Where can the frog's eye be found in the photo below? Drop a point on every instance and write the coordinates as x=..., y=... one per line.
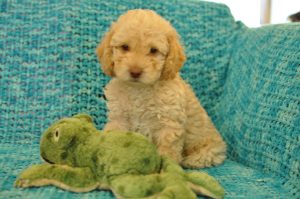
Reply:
x=56, y=135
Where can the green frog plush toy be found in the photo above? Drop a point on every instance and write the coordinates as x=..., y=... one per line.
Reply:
x=80, y=158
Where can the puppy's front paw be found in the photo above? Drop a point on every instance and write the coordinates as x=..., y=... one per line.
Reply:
x=204, y=158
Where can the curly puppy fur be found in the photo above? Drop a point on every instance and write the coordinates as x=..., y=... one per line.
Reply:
x=142, y=54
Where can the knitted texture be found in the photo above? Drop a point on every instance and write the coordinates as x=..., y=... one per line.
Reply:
x=247, y=79
x=259, y=113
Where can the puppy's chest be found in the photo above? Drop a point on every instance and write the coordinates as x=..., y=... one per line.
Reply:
x=150, y=109
x=144, y=110
x=147, y=109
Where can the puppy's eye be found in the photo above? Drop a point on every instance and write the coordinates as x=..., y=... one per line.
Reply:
x=153, y=50
x=125, y=47
x=56, y=135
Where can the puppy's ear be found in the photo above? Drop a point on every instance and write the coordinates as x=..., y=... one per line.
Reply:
x=104, y=52
x=175, y=58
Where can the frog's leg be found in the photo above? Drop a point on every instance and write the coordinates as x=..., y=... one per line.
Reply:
x=65, y=177
x=163, y=186
x=205, y=184
x=200, y=182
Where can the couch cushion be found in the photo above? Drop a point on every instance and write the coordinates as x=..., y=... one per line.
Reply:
x=241, y=181
x=259, y=114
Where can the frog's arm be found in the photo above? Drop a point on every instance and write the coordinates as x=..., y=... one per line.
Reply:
x=65, y=177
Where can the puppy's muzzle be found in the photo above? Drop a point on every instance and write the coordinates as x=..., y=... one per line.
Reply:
x=135, y=72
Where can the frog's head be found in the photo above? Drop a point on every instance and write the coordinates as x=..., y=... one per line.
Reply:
x=61, y=139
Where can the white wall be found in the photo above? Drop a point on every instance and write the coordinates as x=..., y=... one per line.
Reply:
x=248, y=11
x=281, y=9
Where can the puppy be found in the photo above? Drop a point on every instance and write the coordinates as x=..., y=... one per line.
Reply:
x=142, y=54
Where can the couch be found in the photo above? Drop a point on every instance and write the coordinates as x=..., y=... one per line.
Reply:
x=248, y=79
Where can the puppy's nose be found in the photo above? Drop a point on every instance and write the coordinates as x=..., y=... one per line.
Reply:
x=135, y=73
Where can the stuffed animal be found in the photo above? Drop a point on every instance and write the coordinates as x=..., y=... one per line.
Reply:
x=80, y=158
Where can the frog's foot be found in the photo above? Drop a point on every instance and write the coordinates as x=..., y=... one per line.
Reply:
x=204, y=184
x=68, y=178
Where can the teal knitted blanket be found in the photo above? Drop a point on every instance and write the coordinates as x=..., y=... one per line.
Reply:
x=247, y=79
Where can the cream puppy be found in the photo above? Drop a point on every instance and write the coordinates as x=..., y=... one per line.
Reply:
x=142, y=54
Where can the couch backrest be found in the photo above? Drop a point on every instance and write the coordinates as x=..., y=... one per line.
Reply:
x=49, y=69
x=259, y=114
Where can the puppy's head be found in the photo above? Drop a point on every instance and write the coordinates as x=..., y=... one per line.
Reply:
x=141, y=47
